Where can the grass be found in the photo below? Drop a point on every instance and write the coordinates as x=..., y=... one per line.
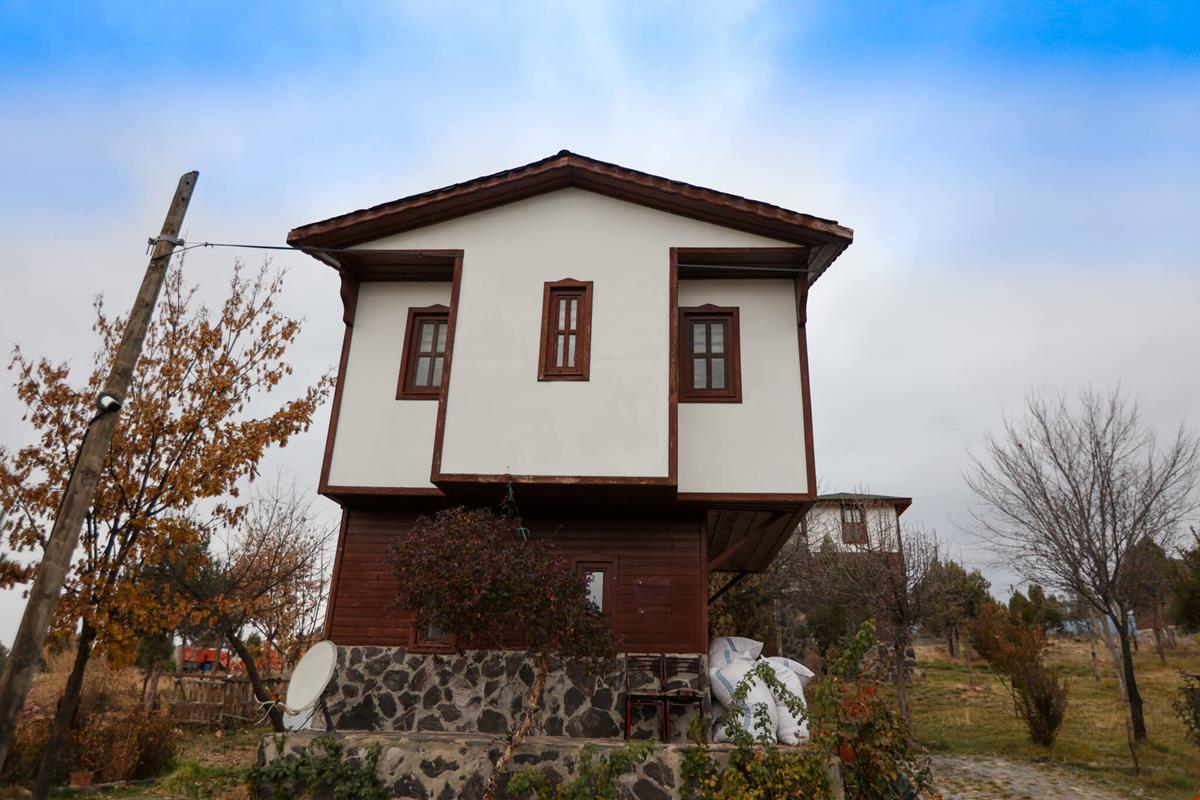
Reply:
x=209, y=766
x=959, y=708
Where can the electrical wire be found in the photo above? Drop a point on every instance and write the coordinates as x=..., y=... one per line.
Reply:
x=299, y=249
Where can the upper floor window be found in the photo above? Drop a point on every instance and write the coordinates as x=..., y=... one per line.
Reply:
x=566, y=331
x=709, y=359
x=424, y=360
x=854, y=524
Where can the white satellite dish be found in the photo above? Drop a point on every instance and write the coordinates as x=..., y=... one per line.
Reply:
x=309, y=679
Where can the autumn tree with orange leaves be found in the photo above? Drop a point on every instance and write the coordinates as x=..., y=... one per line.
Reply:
x=187, y=439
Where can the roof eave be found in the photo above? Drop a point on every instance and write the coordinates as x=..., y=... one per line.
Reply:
x=565, y=169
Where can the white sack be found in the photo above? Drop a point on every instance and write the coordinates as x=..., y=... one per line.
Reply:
x=727, y=649
x=716, y=722
x=789, y=729
x=724, y=681
x=802, y=671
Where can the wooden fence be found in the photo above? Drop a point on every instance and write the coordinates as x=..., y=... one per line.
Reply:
x=215, y=700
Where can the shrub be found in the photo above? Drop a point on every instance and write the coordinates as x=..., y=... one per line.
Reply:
x=127, y=745
x=118, y=746
x=1015, y=650
x=1187, y=706
x=594, y=778
x=848, y=715
x=319, y=770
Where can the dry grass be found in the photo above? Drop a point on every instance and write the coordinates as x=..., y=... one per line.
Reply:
x=959, y=707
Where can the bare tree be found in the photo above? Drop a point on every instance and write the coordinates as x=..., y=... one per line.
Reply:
x=1069, y=492
x=882, y=575
x=267, y=575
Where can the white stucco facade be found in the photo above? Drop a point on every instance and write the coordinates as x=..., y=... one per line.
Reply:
x=756, y=445
x=824, y=521
x=381, y=441
x=500, y=419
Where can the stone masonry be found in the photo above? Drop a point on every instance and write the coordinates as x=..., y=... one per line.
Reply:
x=482, y=692
x=442, y=766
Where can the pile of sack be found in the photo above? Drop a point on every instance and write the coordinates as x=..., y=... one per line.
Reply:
x=730, y=660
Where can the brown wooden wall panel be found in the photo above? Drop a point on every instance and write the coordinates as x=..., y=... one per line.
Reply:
x=658, y=583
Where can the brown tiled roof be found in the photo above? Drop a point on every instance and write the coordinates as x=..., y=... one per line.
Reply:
x=564, y=169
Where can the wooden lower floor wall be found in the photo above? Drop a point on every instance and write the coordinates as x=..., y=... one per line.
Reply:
x=657, y=576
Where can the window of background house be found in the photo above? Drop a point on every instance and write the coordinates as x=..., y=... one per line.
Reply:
x=566, y=331
x=598, y=576
x=854, y=524
x=424, y=360
x=709, y=358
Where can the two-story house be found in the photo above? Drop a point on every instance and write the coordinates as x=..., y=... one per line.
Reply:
x=628, y=352
x=855, y=522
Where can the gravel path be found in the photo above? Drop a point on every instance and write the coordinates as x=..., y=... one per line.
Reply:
x=980, y=777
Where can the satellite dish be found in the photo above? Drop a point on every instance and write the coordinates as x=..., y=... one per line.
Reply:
x=309, y=679
x=311, y=676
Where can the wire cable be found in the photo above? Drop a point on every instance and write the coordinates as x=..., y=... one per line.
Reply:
x=309, y=250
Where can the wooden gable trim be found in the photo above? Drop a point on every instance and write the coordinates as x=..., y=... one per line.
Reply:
x=439, y=434
x=810, y=458
x=560, y=171
x=350, y=306
x=673, y=370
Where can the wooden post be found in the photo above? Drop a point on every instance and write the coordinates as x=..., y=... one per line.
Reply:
x=81, y=486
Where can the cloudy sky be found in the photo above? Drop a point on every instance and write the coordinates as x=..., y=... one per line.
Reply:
x=1022, y=179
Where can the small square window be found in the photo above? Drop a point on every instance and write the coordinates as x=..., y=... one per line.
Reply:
x=566, y=331
x=431, y=639
x=598, y=576
x=709, y=358
x=426, y=352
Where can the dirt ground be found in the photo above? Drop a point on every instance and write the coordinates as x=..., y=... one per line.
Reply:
x=980, y=777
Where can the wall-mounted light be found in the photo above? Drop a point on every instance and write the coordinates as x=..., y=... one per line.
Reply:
x=108, y=403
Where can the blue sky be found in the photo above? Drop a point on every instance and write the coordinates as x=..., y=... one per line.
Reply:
x=1022, y=177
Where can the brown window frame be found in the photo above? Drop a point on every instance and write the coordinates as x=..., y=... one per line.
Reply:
x=609, y=568
x=419, y=643
x=732, y=393
x=405, y=390
x=854, y=532
x=547, y=368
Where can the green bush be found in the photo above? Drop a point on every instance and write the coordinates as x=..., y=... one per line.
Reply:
x=319, y=769
x=848, y=715
x=1187, y=706
x=594, y=778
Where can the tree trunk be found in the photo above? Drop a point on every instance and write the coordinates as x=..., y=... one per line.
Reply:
x=1114, y=652
x=533, y=704
x=1136, y=715
x=952, y=640
x=1158, y=644
x=150, y=692
x=902, y=682
x=64, y=717
x=260, y=691
x=1095, y=660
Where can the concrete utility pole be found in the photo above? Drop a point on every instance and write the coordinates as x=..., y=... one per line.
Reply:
x=81, y=487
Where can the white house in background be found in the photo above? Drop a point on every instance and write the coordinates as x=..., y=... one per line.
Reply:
x=855, y=521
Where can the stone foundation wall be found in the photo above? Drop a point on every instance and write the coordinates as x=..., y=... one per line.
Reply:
x=443, y=766
x=482, y=691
